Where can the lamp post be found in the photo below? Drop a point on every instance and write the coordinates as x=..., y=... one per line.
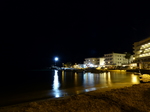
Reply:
x=56, y=59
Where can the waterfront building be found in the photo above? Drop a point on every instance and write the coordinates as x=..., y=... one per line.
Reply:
x=116, y=59
x=91, y=62
x=94, y=62
x=142, y=53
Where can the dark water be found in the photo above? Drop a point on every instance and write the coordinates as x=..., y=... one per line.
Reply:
x=32, y=85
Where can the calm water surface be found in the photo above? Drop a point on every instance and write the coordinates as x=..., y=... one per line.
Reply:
x=34, y=85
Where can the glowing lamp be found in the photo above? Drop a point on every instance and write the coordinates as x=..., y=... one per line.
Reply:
x=56, y=58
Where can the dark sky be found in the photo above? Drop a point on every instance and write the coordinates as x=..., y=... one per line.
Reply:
x=33, y=32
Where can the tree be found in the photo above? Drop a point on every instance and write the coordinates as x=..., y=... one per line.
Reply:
x=68, y=64
x=127, y=56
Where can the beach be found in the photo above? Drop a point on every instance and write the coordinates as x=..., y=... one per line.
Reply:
x=135, y=98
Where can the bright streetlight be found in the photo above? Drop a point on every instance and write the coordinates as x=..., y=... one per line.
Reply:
x=56, y=59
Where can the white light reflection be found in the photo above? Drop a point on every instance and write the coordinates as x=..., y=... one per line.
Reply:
x=57, y=95
x=88, y=79
x=56, y=84
x=90, y=89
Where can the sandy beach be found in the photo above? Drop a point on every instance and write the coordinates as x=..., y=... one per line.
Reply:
x=135, y=98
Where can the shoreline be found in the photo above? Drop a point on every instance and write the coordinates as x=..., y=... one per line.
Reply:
x=101, y=89
x=95, y=70
x=129, y=98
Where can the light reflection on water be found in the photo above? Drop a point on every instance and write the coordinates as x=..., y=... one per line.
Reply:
x=67, y=83
x=56, y=81
x=109, y=79
x=88, y=79
x=56, y=85
x=134, y=78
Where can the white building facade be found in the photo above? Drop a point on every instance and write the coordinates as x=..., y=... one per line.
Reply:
x=116, y=59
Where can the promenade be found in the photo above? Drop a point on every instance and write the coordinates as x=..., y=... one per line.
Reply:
x=135, y=98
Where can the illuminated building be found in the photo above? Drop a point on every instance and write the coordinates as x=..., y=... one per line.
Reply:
x=142, y=53
x=116, y=59
x=94, y=62
x=79, y=66
x=91, y=62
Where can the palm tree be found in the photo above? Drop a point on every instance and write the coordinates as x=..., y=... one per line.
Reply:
x=127, y=56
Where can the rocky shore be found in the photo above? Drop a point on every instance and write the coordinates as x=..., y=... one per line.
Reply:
x=135, y=98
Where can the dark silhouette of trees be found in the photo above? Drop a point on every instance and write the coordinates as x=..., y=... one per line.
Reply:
x=128, y=56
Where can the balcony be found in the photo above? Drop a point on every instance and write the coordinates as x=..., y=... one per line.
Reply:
x=108, y=59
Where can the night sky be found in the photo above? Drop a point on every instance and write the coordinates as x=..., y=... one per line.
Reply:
x=34, y=32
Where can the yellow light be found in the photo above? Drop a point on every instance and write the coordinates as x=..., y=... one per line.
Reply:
x=98, y=68
x=134, y=78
